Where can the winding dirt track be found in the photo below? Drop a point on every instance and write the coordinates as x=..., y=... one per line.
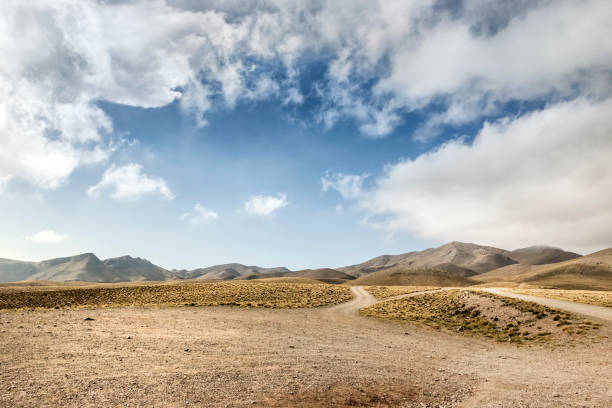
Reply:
x=327, y=357
x=597, y=312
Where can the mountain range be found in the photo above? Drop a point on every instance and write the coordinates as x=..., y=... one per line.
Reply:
x=452, y=264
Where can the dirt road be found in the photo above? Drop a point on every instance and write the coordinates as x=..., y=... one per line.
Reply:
x=327, y=357
x=361, y=298
x=597, y=312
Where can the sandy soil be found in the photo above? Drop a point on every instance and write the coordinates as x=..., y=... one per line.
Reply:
x=234, y=357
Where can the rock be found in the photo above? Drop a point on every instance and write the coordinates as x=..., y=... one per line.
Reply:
x=89, y=319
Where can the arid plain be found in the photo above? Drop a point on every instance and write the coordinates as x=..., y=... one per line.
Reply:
x=238, y=356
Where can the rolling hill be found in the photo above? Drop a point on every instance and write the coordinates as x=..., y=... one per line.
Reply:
x=456, y=264
x=84, y=268
x=453, y=264
x=13, y=271
x=453, y=257
x=592, y=271
x=399, y=275
x=456, y=256
x=229, y=271
x=541, y=254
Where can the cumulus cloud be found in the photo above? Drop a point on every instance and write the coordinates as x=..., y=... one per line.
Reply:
x=265, y=206
x=545, y=177
x=128, y=183
x=199, y=215
x=545, y=51
x=383, y=59
x=47, y=237
x=349, y=186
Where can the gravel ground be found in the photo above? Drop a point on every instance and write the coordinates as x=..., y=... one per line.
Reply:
x=234, y=357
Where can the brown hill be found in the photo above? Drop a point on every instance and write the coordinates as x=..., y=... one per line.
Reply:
x=593, y=271
x=326, y=275
x=454, y=257
x=413, y=277
x=540, y=255
x=85, y=267
x=229, y=271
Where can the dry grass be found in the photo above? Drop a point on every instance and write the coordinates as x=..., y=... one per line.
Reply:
x=271, y=294
x=382, y=292
x=592, y=297
x=497, y=317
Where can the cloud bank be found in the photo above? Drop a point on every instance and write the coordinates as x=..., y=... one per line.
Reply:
x=545, y=177
x=382, y=59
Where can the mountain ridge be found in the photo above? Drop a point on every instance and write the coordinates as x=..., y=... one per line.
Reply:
x=455, y=260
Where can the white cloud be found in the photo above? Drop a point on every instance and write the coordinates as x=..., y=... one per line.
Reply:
x=350, y=186
x=60, y=58
x=554, y=50
x=545, y=178
x=129, y=183
x=47, y=237
x=199, y=215
x=265, y=205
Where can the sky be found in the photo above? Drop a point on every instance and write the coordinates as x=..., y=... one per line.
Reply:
x=302, y=133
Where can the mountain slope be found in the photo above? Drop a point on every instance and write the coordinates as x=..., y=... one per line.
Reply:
x=85, y=267
x=592, y=271
x=463, y=259
x=399, y=275
x=540, y=255
x=454, y=257
x=136, y=269
x=228, y=272
x=13, y=271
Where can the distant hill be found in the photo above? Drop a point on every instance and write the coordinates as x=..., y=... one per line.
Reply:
x=227, y=272
x=237, y=271
x=326, y=275
x=84, y=268
x=541, y=254
x=452, y=264
x=136, y=269
x=461, y=258
x=399, y=275
x=13, y=271
x=592, y=271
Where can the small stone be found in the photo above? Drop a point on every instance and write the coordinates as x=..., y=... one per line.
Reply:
x=129, y=337
x=556, y=395
x=89, y=319
x=187, y=349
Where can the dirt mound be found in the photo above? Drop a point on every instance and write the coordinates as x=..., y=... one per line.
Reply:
x=497, y=317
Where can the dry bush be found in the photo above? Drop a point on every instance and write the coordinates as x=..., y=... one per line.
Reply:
x=240, y=293
x=382, y=292
x=592, y=297
x=497, y=317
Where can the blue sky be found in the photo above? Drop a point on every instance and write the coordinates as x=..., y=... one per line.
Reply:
x=302, y=134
